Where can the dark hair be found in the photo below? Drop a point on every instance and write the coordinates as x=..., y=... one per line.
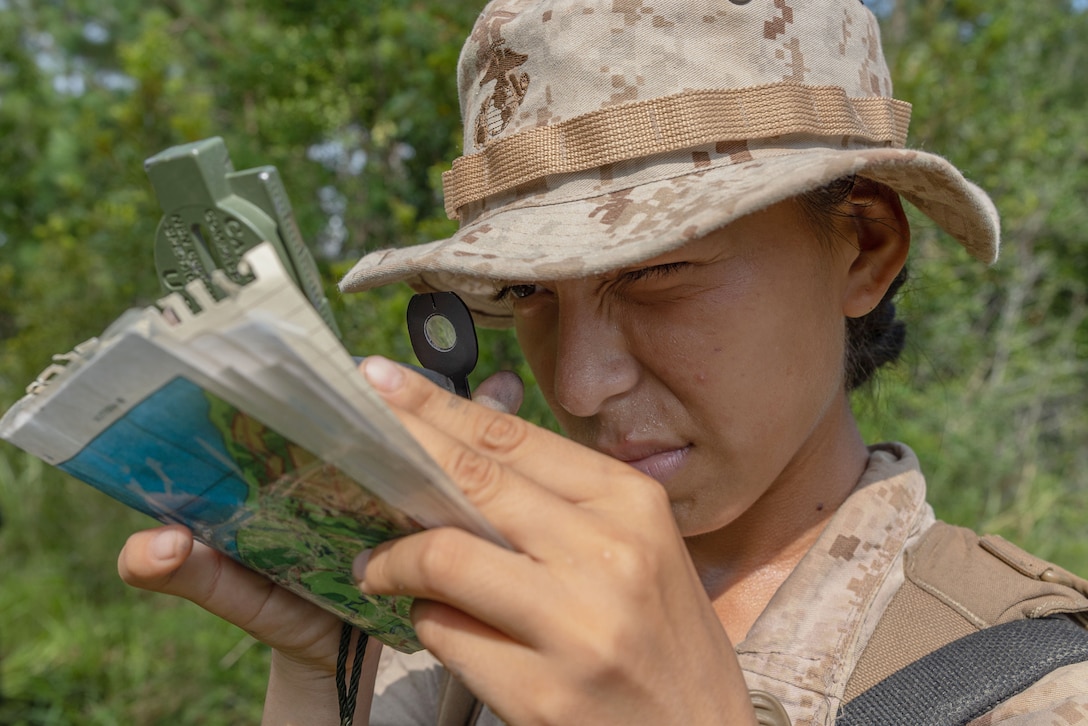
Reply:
x=877, y=338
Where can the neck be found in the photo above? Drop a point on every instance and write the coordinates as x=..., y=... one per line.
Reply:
x=742, y=564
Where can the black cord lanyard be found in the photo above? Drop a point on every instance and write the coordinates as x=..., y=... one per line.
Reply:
x=346, y=694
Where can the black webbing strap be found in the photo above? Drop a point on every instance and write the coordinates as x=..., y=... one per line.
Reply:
x=970, y=676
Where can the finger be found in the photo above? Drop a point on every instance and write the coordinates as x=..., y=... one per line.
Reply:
x=491, y=584
x=533, y=515
x=150, y=559
x=572, y=471
x=467, y=647
x=469, y=650
x=168, y=560
x=502, y=391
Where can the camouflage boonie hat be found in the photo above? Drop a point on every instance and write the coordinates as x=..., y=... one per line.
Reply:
x=601, y=133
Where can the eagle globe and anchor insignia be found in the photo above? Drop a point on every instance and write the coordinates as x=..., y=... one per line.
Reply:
x=500, y=64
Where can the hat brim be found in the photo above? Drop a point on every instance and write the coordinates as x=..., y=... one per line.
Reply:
x=544, y=239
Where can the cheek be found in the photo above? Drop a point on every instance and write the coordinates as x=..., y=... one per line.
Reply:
x=750, y=366
x=537, y=340
x=715, y=349
x=537, y=344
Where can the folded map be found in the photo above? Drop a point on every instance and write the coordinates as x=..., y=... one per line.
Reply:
x=249, y=423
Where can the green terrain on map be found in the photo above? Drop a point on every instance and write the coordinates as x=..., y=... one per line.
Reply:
x=305, y=521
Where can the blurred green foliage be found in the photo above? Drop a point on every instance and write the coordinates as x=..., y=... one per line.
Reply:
x=994, y=393
x=355, y=103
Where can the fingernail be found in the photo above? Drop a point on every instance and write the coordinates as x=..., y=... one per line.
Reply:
x=383, y=374
x=358, y=567
x=166, y=545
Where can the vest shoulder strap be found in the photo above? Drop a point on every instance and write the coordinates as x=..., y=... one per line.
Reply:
x=957, y=583
x=968, y=677
x=457, y=706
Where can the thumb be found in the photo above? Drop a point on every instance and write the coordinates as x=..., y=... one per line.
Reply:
x=502, y=391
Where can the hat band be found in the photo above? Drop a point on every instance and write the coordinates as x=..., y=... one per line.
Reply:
x=670, y=123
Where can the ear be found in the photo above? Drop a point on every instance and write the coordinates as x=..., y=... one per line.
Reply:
x=883, y=240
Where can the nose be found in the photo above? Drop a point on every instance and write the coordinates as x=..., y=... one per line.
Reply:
x=593, y=360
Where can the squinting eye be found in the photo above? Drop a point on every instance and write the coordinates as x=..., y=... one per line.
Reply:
x=517, y=292
x=522, y=291
x=654, y=271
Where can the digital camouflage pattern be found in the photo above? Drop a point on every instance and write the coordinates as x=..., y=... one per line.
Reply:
x=806, y=643
x=537, y=70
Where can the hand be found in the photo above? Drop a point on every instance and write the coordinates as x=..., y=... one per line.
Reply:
x=168, y=560
x=596, y=616
x=304, y=637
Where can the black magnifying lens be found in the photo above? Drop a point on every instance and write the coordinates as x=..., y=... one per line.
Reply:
x=444, y=337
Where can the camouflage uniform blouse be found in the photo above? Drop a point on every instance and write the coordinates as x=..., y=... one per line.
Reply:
x=806, y=643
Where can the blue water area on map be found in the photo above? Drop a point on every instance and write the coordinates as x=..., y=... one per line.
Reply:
x=166, y=458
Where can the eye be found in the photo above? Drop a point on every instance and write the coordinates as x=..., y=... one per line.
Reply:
x=516, y=292
x=652, y=272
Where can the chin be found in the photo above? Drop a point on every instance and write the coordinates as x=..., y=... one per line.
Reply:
x=693, y=520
